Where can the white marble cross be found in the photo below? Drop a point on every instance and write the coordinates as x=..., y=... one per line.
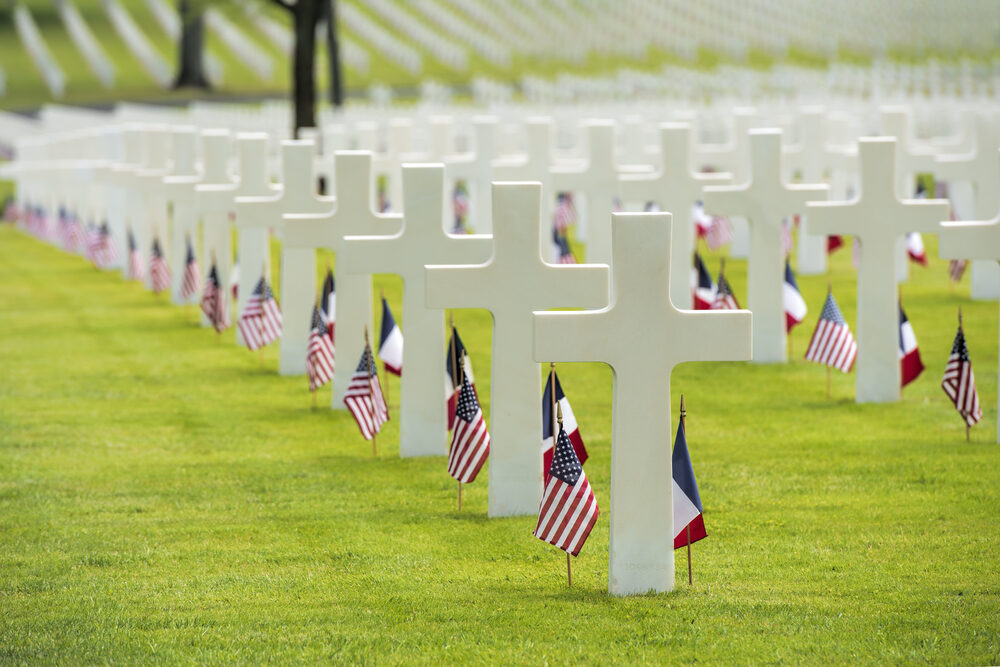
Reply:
x=534, y=166
x=476, y=169
x=512, y=284
x=675, y=187
x=423, y=423
x=255, y=215
x=124, y=177
x=642, y=336
x=807, y=157
x=597, y=180
x=179, y=187
x=765, y=200
x=980, y=168
x=214, y=201
x=149, y=180
x=973, y=240
x=879, y=219
x=351, y=216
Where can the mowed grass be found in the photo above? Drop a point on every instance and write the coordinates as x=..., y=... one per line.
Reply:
x=165, y=497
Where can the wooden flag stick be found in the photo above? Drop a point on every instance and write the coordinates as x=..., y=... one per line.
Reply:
x=684, y=426
x=462, y=361
x=460, y=496
x=371, y=391
x=569, y=572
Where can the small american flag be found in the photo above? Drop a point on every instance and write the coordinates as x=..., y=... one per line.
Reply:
x=135, y=271
x=565, y=213
x=214, y=303
x=956, y=269
x=787, y=242
x=568, y=510
x=192, y=276
x=564, y=254
x=724, y=297
x=470, y=441
x=72, y=233
x=319, y=357
x=90, y=240
x=159, y=272
x=364, y=397
x=260, y=321
x=832, y=343
x=328, y=305
x=460, y=207
x=105, y=251
x=959, y=383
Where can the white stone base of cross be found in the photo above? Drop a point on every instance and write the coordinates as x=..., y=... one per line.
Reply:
x=642, y=336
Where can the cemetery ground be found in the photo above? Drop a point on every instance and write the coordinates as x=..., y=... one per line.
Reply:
x=165, y=497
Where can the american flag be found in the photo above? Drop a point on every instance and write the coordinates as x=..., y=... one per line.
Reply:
x=724, y=297
x=832, y=343
x=72, y=232
x=192, y=276
x=105, y=252
x=959, y=383
x=549, y=412
x=787, y=242
x=568, y=510
x=956, y=269
x=135, y=271
x=214, y=303
x=260, y=321
x=460, y=207
x=319, y=357
x=470, y=441
x=159, y=272
x=364, y=397
x=565, y=213
x=563, y=253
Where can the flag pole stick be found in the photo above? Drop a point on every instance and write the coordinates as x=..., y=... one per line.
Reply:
x=462, y=361
x=371, y=391
x=555, y=441
x=684, y=426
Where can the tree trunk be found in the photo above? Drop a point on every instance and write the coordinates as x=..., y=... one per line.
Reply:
x=333, y=49
x=190, y=69
x=306, y=14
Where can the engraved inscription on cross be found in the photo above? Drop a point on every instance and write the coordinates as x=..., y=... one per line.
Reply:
x=423, y=421
x=642, y=336
x=675, y=187
x=255, y=215
x=352, y=216
x=973, y=240
x=879, y=219
x=513, y=283
x=765, y=200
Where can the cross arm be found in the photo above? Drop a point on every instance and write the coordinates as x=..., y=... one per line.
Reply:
x=303, y=230
x=567, y=176
x=463, y=286
x=639, y=187
x=970, y=240
x=925, y=215
x=373, y=254
x=729, y=200
x=833, y=217
x=580, y=285
x=715, y=335
x=267, y=209
x=558, y=336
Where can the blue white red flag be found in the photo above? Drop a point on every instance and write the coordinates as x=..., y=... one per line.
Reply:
x=795, y=305
x=687, y=502
x=390, y=346
x=548, y=425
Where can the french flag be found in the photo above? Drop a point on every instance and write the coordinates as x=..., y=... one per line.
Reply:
x=702, y=286
x=795, y=305
x=689, y=526
x=569, y=425
x=390, y=347
x=915, y=248
x=910, y=365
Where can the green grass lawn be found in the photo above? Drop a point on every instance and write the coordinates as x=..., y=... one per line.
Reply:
x=164, y=497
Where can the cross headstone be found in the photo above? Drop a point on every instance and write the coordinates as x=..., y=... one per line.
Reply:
x=214, y=201
x=765, y=200
x=534, y=166
x=879, y=219
x=255, y=215
x=972, y=240
x=475, y=167
x=179, y=187
x=351, y=216
x=980, y=168
x=423, y=423
x=597, y=180
x=123, y=175
x=675, y=187
x=807, y=157
x=512, y=284
x=640, y=311
x=150, y=183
